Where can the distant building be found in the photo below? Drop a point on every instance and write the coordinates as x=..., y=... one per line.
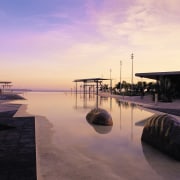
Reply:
x=168, y=83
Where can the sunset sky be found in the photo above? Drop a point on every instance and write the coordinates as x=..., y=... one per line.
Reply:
x=46, y=44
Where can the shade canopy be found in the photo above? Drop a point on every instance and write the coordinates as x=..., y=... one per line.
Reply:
x=157, y=75
x=89, y=80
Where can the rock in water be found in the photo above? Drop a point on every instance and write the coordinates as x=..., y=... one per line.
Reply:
x=99, y=116
x=163, y=133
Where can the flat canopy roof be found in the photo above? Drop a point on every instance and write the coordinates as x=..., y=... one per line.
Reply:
x=5, y=82
x=90, y=80
x=156, y=75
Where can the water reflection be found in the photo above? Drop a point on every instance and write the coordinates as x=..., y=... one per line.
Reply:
x=143, y=122
x=100, y=129
x=98, y=118
x=130, y=106
x=110, y=103
x=84, y=101
x=120, y=116
x=129, y=113
x=68, y=146
x=166, y=167
x=125, y=104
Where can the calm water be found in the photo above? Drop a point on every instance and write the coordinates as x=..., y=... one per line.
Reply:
x=68, y=147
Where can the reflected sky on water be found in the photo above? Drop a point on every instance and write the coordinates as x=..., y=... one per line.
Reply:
x=75, y=148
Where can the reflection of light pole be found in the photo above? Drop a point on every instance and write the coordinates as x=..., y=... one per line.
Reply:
x=120, y=76
x=120, y=115
x=132, y=57
x=80, y=89
x=97, y=94
x=110, y=103
x=132, y=122
x=110, y=82
x=76, y=87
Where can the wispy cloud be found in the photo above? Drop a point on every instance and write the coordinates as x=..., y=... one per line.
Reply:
x=142, y=23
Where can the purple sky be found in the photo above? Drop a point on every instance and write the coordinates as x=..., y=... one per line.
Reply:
x=49, y=43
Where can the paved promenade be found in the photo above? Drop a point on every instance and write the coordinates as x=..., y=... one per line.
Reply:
x=17, y=148
x=17, y=142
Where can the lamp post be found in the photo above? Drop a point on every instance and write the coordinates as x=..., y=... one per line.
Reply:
x=132, y=57
x=120, y=76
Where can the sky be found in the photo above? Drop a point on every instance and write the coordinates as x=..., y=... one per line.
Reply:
x=46, y=44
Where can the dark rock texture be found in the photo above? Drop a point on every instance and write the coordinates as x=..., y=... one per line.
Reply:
x=99, y=116
x=163, y=133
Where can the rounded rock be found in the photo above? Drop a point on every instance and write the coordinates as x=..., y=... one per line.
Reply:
x=99, y=116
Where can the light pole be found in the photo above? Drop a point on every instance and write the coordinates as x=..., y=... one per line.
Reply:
x=120, y=76
x=132, y=57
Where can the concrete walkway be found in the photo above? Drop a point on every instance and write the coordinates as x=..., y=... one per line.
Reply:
x=17, y=148
x=17, y=144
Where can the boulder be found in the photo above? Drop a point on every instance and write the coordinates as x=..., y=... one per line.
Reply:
x=163, y=133
x=99, y=116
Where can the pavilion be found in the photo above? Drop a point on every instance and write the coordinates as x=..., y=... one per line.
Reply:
x=168, y=83
x=86, y=82
x=6, y=85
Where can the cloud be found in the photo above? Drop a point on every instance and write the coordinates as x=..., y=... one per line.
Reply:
x=71, y=42
x=162, y=5
x=144, y=23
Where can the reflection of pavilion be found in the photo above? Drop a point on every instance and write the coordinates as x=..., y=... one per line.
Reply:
x=85, y=98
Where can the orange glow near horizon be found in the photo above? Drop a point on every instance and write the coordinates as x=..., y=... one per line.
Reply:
x=53, y=45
